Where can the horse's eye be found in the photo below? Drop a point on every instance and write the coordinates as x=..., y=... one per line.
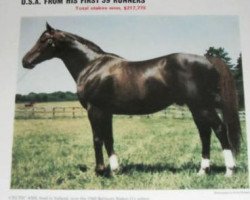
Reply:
x=50, y=42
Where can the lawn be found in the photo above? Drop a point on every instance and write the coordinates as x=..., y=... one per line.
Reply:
x=154, y=153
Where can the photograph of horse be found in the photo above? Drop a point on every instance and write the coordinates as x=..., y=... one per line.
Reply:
x=108, y=84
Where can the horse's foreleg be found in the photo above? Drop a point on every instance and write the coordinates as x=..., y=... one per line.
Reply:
x=205, y=136
x=97, y=121
x=101, y=123
x=109, y=145
x=100, y=167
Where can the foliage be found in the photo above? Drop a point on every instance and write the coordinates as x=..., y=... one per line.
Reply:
x=221, y=53
x=238, y=68
x=239, y=81
x=46, y=97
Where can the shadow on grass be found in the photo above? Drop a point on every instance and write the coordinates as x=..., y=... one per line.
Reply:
x=106, y=173
x=159, y=167
x=156, y=168
x=82, y=167
x=188, y=167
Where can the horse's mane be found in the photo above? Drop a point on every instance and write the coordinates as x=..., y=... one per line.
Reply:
x=90, y=44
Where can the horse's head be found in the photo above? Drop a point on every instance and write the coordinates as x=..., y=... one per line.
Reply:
x=45, y=48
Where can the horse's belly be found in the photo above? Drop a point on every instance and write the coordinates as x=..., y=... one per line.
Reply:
x=138, y=108
x=149, y=103
x=131, y=104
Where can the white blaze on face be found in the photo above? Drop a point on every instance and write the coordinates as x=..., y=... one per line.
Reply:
x=90, y=54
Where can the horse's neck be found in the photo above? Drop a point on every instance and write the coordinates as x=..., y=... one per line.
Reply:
x=77, y=57
x=75, y=64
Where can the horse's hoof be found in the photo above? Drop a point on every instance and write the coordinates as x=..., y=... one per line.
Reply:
x=114, y=169
x=203, y=172
x=229, y=172
x=100, y=170
x=115, y=172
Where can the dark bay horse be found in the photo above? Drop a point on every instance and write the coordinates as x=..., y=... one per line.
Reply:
x=108, y=84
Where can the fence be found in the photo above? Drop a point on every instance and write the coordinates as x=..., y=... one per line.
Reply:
x=174, y=112
x=49, y=112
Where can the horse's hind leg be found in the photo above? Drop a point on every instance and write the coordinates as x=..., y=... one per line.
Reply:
x=101, y=123
x=205, y=136
x=221, y=133
x=205, y=118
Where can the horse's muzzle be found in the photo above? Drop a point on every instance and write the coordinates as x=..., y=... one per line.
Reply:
x=27, y=64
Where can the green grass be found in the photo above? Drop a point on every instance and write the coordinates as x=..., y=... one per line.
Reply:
x=154, y=153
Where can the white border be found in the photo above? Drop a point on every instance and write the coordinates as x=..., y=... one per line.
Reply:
x=10, y=14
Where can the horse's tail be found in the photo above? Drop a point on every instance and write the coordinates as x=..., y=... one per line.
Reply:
x=229, y=100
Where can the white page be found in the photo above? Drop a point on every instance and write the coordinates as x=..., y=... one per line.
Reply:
x=13, y=17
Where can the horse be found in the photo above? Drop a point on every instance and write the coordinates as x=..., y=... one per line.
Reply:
x=29, y=104
x=108, y=84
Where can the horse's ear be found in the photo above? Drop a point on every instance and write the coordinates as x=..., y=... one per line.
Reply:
x=49, y=28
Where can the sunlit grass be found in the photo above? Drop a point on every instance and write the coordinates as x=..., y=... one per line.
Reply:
x=154, y=153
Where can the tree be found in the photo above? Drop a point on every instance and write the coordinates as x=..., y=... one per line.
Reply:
x=239, y=81
x=238, y=68
x=45, y=97
x=220, y=53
